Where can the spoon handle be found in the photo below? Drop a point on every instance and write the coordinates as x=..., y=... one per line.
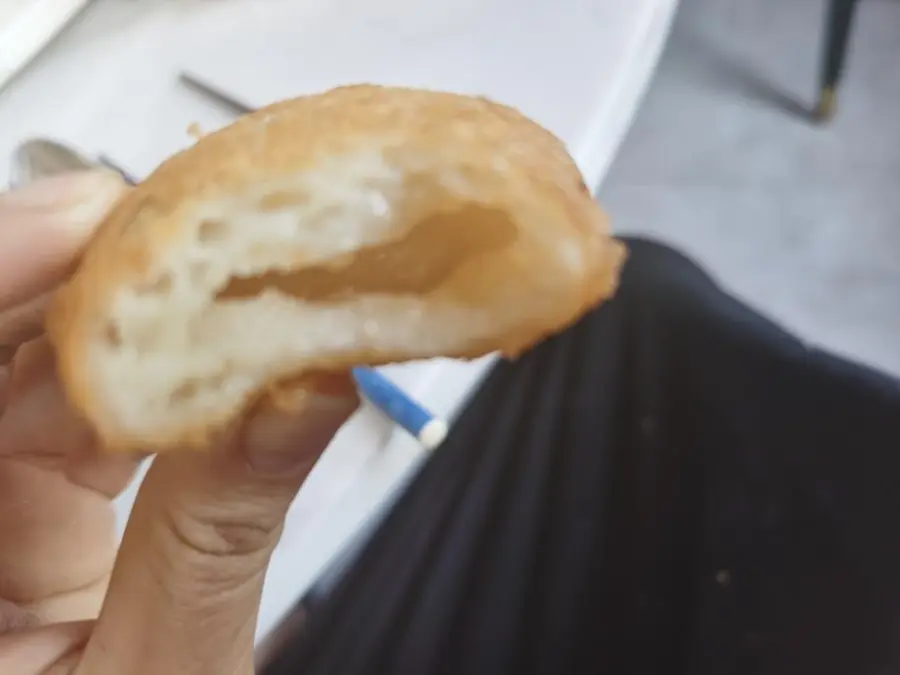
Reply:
x=104, y=160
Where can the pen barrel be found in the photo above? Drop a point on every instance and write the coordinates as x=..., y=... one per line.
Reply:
x=392, y=400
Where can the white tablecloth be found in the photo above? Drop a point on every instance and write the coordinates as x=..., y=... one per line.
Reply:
x=110, y=85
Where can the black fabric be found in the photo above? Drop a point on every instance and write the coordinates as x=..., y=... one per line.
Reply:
x=675, y=485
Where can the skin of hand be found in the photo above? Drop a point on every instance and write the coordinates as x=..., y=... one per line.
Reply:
x=181, y=594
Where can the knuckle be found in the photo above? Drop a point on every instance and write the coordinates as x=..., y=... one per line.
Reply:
x=218, y=533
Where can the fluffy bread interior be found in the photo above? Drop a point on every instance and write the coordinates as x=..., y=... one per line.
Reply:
x=354, y=261
x=359, y=226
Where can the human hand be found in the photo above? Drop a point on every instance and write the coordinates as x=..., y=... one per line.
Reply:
x=183, y=593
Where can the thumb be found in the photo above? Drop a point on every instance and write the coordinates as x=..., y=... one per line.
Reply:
x=44, y=226
x=185, y=591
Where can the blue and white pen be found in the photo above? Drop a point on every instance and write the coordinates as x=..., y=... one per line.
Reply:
x=396, y=404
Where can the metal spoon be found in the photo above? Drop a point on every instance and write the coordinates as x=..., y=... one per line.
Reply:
x=42, y=157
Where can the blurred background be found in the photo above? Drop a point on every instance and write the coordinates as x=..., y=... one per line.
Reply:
x=801, y=219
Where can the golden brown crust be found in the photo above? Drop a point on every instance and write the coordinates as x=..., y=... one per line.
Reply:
x=296, y=135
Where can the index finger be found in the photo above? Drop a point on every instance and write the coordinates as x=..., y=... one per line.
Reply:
x=44, y=227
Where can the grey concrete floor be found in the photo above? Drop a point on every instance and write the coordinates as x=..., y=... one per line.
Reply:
x=801, y=221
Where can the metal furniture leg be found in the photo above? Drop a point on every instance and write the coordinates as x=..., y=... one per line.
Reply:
x=837, y=37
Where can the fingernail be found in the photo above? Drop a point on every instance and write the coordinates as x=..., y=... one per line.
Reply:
x=77, y=200
x=278, y=441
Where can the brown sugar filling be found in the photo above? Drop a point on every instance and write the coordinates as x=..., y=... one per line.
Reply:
x=415, y=265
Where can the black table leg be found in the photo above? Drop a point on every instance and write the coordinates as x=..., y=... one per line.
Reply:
x=837, y=37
